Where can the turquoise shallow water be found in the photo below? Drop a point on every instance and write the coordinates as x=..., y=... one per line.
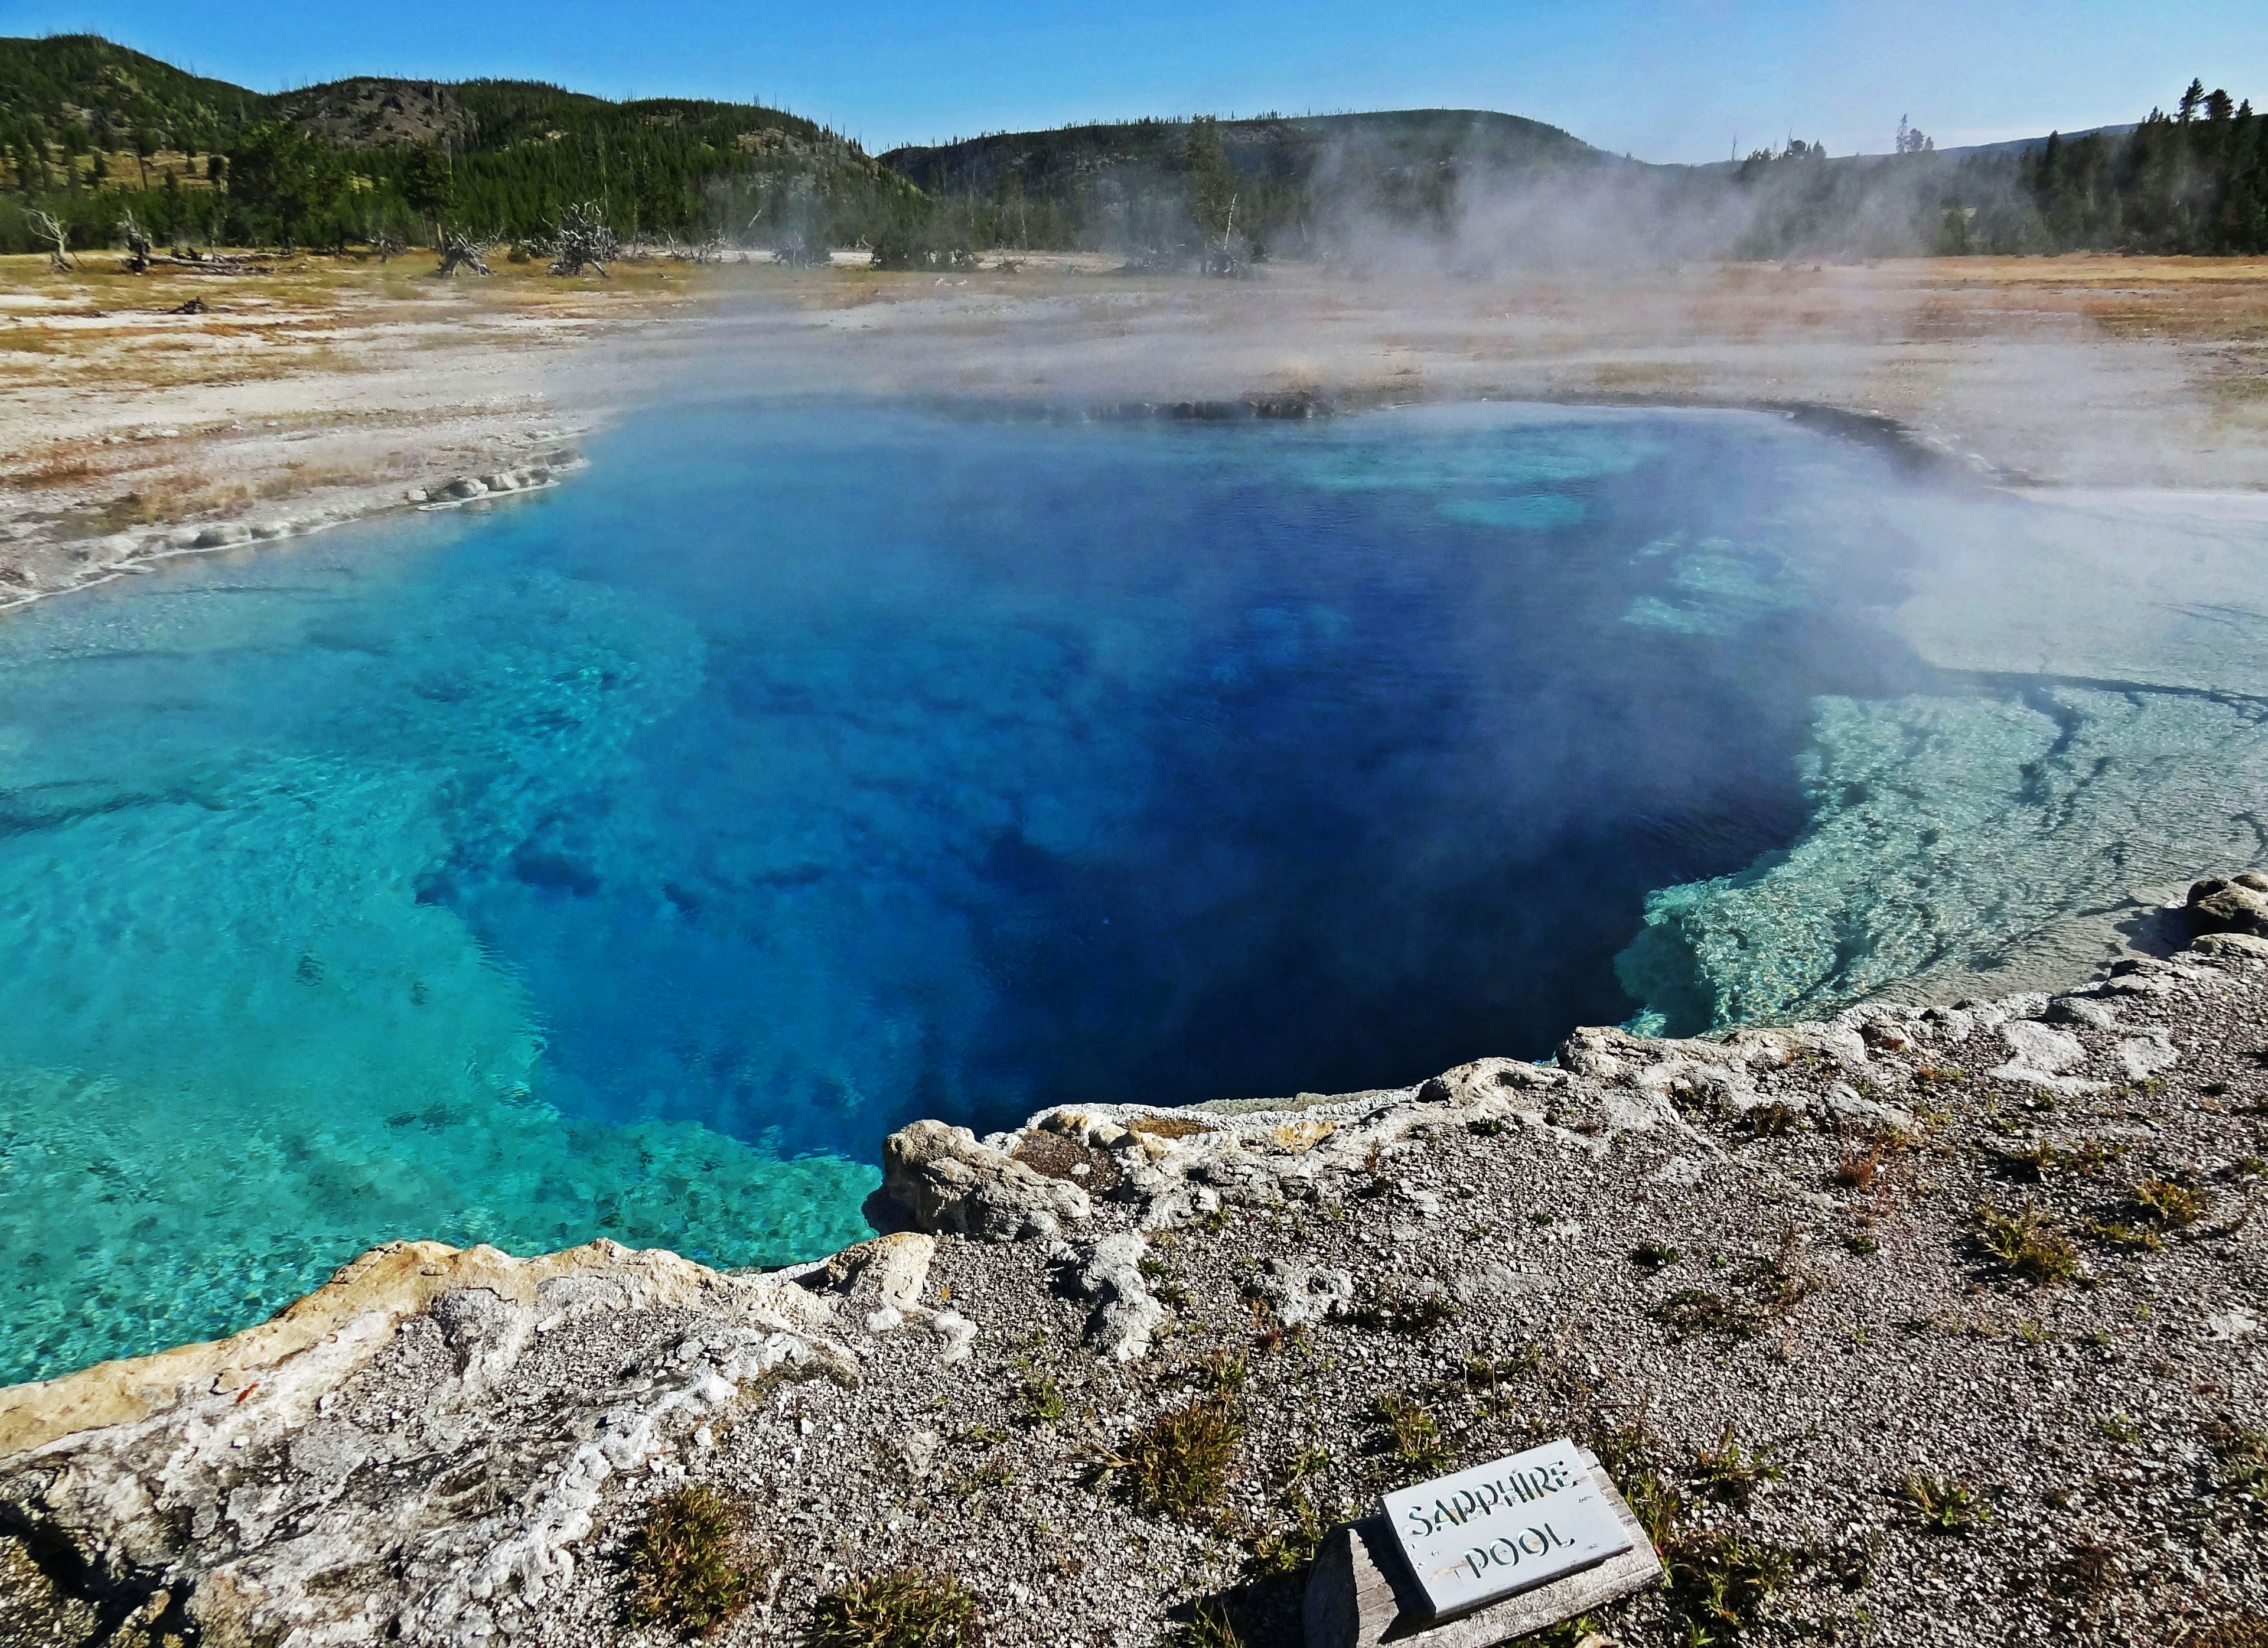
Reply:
x=630, y=860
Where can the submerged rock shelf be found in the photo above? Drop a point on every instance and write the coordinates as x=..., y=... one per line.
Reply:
x=1943, y=1318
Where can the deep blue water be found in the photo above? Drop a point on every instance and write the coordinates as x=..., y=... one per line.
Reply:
x=630, y=859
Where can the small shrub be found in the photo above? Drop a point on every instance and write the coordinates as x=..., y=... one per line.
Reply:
x=1945, y=1507
x=1654, y=1255
x=907, y=1607
x=1290, y=1548
x=1486, y=1127
x=1730, y=1473
x=2026, y=1243
x=2126, y=1236
x=1223, y=1374
x=1042, y=1400
x=2168, y=1205
x=1177, y=1465
x=1771, y=1119
x=1655, y=1503
x=1857, y=1169
x=1486, y=1373
x=1416, y=1437
x=1569, y=1633
x=2085, y=1566
x=989, y=1478
x=1698, y=1310
x=2034, y=1162
x=687, y=1568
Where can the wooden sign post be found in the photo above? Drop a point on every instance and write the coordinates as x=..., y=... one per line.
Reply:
x=1481, y=1556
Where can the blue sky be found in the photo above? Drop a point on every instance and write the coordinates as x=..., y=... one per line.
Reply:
x=1664, y=81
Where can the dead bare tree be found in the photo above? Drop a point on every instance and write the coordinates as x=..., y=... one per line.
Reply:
x=44, y=225
x=459, y=250
x=137, y=244
x=583, y=240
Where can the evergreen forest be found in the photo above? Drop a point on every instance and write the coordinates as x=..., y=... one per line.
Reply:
x=92, y=133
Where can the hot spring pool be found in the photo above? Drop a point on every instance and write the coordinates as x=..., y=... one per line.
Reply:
x=628, y=860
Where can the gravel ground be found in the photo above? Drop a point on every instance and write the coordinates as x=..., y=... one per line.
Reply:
x=1795, y=1337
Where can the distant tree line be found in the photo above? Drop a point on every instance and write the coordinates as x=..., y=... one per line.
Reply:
x=91, y=133
x=2194, y=181
x=2190, y=182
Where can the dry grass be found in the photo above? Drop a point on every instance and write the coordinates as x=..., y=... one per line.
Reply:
x=1178, y=1464
x=906, y=1608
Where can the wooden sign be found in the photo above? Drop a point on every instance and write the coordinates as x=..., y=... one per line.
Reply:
x=1505, y=1527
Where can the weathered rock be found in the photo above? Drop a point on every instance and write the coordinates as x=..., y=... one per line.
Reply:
x=2232, y=944
x=1303, y=1294
x=878, y=1283
x=2236, y=904
x=1882, y=1033
x=1126, y=1314
x=1841, y=1101
x=2043, y=1053
x=2145, y=1056
x=2081, y=1010
x=946, y=1181
x=1514, y=1081
x=413, y=1451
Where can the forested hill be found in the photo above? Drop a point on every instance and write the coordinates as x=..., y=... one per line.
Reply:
x=1276, y=178
x=90, y=130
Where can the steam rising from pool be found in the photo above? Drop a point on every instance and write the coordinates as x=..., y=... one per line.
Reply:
x=629, y=861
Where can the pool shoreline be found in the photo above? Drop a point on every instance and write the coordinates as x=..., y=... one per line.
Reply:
x=990, y=1236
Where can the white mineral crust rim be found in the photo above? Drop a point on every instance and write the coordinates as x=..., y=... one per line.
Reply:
x=1507, y=1526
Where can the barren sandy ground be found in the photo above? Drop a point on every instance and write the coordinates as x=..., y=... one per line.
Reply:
x=325, y=390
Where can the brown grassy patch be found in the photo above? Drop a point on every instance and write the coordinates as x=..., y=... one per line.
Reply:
x=1169, y=1127
x=1177, y=1465
x=908, y=1608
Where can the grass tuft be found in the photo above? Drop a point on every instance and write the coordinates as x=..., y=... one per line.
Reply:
x=907, y=1607
x=1287, y=1550
x=2027, y=1243
x=1414, y=1435
x=688, y=1571
x=1208, y=1626
x=2168, y=1205
x=1729, y=1472
x=2035, y=1161
x=1042, y=1400
x=1177, y=1465
x=1411, y=1314
x=2242, y=1451
x=1724, y=1581
x=1945, y=1507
